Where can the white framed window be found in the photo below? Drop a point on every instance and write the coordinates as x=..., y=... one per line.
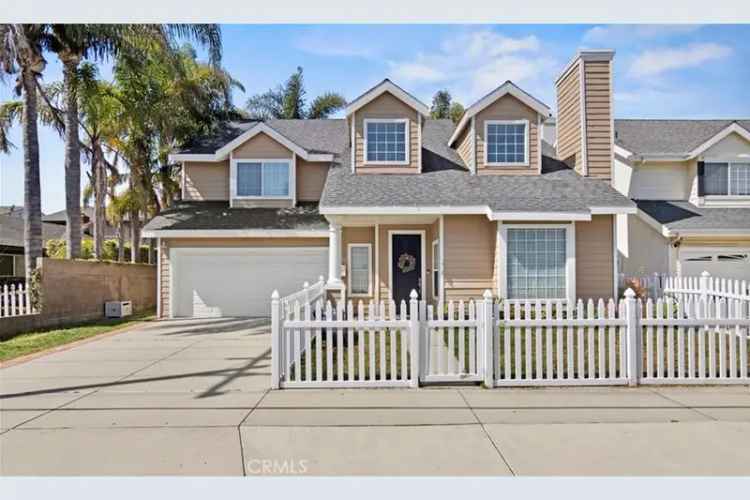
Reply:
x=506, y=142
x=386, y=141
x=359, y=269
x=262, y=178
x=538, y=261
x=726, y=178
x=436, y=269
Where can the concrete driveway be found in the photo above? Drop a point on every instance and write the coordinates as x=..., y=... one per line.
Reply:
x=191, y=397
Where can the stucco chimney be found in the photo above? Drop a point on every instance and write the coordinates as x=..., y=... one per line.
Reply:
x=585, y=115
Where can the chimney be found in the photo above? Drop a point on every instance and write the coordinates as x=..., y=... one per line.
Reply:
x=584, y=113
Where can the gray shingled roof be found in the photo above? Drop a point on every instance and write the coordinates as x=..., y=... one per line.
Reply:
x=11, y=231
x=677, y=215
x=659, y=137
x=315, y=136
x=218, y=215
x=446, y=181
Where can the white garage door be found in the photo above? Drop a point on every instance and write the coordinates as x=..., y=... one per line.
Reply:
x=729, y=263
x=214, y=282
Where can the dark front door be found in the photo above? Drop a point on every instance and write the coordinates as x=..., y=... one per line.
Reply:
x=406, y=266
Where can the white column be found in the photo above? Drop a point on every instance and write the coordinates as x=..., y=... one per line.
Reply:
x=334, y=254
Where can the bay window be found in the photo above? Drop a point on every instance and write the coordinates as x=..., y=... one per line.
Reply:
x=263, y=178
x=726, y=179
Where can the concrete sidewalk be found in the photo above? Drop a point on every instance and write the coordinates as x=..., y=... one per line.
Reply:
x=192, y=398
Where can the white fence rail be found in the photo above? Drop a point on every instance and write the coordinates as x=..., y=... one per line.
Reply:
x=705, y=285
x=308, y=295
x=675, y=340
x=15, y=300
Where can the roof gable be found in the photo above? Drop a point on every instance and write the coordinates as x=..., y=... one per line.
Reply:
x=390, y=87
x=507, y=88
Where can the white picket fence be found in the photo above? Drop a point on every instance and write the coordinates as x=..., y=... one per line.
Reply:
x=308, y=295
x=15, y=300
x=704, y=285
x=674, y=340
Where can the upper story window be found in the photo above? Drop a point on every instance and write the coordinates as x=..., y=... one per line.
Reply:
x=387, y=141
x=506, y=142
x=726, y=179
x=263, y=178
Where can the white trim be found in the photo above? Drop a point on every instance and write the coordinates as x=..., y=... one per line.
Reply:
x=386, y=86
x=582, y=104
x=172, y=279
x=423, y=236
x=653, y=223
x=407, y=134
x=477, y=210
x=235, y=233
x=615, y=267
x=473, y=145
x=180, y=157
x=441, y=230
x=419, y=142
x=354, y=143
x=376, y=290
x=526, y=159
x=541, y=216
x=507, y=88
x=586, y=55
x=732, y=128
x=538, y=142
x=349, y=269
x=621, y=150
x=291, y=163
x=570, y=256
x=435, y=264
x=158, y=279
x=182, y=180
x=613, y=210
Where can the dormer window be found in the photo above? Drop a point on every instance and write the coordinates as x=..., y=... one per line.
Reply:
x=387, y=141
x=263, y=178
x=507, y=142
x=727, y=179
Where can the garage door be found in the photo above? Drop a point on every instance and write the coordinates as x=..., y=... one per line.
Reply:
x=723, y=263
x=214, y=282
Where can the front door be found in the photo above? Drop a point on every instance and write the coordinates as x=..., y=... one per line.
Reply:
x=406, y=265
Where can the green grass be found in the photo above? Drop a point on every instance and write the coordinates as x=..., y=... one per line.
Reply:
x=28, y=343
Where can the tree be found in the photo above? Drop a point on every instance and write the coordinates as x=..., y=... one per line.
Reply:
x=21, y=47
x=457, y=110
x=441, y=103
x=288, y=102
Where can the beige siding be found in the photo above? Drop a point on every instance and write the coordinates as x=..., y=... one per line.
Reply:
x=387, y=106
x=598, y=119
x=715, y=241
x=594, y=254
x=255, y=203
x=508, y=108
x=261, y=146
x=311, y=177
x=569, y=119
x=358, y=235
x=205, y=181
x=163, y=294
x=469, y=255
x=465, y=147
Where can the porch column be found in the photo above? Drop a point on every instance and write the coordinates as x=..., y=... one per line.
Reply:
x=334, y=254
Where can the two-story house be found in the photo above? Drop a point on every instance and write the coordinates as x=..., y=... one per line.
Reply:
x=691, y=182
x=388, y=200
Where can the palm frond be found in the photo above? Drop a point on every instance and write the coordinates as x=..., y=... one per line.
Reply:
x=325, y=105
x=10, y=113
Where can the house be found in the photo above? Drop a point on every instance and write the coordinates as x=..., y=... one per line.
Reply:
x=691, y=182
x=87, y=222
x=12, y=245
x=388, y=200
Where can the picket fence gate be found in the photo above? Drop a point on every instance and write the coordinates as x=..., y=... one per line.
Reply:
x=691, y=340
x=15, y=300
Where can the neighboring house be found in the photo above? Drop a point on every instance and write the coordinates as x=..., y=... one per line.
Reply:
x=12, y=246
x=388, y=200
x=87, y=222
x=691, y=182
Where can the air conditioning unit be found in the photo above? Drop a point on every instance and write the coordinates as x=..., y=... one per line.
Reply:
x=118, y=309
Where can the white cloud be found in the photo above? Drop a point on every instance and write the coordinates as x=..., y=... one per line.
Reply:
x=626, y=33
x=472, y=64
x=653, y=62
x=330, y=44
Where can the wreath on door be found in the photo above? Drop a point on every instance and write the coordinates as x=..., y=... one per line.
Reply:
x=407, y=263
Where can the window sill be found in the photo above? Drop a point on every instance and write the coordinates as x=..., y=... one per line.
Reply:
x=506, y=165
x=261, y=197
x=386, y=163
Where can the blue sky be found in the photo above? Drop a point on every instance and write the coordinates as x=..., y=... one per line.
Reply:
x=672, y=71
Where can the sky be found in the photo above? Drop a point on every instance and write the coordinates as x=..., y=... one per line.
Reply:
x=660, y=71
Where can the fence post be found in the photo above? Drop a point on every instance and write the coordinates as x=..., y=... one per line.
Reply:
x=276, y=353
x=705, y=276
x=656, y=286
x=306, y=289
x=414, y=339
x=632, y=317
x=487, y=327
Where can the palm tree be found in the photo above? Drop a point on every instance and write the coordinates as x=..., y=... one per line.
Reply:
x=21, y=48
x=288, y=101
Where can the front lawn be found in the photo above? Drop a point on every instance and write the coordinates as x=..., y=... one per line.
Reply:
x=31, y=342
